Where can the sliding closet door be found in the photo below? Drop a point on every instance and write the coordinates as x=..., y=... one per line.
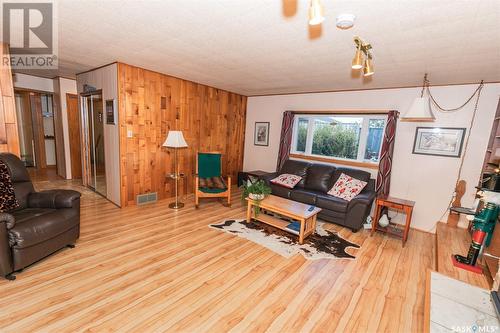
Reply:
x=99, y=165
x=94, y=143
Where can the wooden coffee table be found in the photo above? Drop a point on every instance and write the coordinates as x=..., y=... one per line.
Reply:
x=286, y=208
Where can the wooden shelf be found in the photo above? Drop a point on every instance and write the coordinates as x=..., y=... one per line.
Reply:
x=271, y=220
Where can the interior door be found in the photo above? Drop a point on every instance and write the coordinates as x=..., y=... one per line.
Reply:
x=25, y=128
x=74, y=136
x=38, y=130
x=94, y=143
x=100, y=167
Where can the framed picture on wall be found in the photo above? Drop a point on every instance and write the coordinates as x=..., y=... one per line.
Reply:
x=261, y=134
x=110, y=112
x=439, y=141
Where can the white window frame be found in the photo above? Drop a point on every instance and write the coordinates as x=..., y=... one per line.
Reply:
x=363, y=135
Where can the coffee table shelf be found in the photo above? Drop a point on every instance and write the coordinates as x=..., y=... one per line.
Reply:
x=287, y=208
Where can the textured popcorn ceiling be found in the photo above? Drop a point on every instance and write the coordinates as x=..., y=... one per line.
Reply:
x=266, y=46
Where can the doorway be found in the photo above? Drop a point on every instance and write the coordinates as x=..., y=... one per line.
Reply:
x=74, y=135
x=37, y=141
x=93, y=133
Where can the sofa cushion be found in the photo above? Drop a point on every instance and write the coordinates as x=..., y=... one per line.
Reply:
x=298, y=168
x=304, y=196
x=35, y=226
x=319, y=177
x=286, y=180
x=331, y=203
x=280, y=191
x=8, y=199
x=347, y=187
x=354, y=173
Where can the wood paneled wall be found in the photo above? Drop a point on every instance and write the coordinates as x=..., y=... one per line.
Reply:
x=150, y=104
x=9, y=138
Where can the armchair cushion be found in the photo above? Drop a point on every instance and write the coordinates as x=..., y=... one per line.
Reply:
x=53, y=199
x=40, y=225
x=8, y=199
x=209, y=165
x=212, y=185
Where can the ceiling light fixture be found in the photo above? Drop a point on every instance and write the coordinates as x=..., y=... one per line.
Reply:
x=363, y=48
x=316, y=15
x=420, y=109
x=368, y=68
x=345, y=21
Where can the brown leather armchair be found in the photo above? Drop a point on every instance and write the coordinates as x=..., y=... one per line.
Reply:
x=43, y=223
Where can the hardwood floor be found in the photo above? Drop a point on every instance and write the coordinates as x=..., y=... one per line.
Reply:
x=150, y=268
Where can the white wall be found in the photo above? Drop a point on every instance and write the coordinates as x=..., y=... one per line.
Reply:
x=65, y=86
x=33, y=82
x=106, y=78
x=428, y=180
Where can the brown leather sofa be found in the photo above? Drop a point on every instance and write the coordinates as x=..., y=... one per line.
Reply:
x=43, y=223
x=317, y=180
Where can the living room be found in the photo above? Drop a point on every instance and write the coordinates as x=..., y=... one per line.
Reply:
x=278, y=165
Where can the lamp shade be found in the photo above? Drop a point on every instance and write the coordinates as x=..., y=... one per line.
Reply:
x=175, y=139
x=368, y=68
x=419, y=111
x=357, y=61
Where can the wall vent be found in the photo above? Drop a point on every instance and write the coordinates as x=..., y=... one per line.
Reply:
x=147, y=198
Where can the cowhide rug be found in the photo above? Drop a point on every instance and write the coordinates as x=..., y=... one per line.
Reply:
x=323, y=244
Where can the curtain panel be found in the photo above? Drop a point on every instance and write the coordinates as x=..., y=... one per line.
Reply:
x=285, y=139
x=386, y=155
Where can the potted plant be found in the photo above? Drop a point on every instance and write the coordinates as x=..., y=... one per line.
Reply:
x=256, y=191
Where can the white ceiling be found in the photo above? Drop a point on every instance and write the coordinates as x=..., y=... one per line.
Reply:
x=266, y=46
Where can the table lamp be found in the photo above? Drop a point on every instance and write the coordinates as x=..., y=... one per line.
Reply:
x=175, y=140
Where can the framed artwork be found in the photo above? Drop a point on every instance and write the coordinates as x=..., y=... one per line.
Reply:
x=261, y=134
x=439, y=141
x=110, y=112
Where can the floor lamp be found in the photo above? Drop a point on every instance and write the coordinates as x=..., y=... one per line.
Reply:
x=175, y=140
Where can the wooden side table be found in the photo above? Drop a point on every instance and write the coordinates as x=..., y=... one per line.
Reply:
x=402, y=205
x=243, y=176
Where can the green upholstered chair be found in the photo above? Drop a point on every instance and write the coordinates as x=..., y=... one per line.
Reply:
x=209, y=182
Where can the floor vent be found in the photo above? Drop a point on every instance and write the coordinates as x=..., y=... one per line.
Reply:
x=147, y=198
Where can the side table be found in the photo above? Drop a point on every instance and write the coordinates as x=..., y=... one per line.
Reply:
x=402, y=205
x=243, y=175
x=176, y=178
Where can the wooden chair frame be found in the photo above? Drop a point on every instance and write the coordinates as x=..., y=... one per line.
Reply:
x=199, y=194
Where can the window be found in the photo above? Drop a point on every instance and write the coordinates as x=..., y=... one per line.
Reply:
x=348, y=137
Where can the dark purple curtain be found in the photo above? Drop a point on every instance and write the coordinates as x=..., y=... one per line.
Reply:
x=286, y=138
x=386, y=155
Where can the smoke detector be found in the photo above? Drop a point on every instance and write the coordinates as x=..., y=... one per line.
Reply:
x=345, y=21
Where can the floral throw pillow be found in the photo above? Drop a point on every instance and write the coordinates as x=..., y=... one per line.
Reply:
x=7, y=197
x=347, y=187
x=287, y=180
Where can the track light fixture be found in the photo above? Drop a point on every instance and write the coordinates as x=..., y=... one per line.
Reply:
x=363, y=48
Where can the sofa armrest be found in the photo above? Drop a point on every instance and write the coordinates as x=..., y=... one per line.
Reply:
x=6, y=266
x=364, y=198
x=8, y=219
x=359, y=208
x=268, y=176
x=53, y=199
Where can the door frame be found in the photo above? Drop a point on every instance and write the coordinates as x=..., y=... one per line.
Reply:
x=68, y=96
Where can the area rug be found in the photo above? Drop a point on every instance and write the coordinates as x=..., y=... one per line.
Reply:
x=324, y=244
